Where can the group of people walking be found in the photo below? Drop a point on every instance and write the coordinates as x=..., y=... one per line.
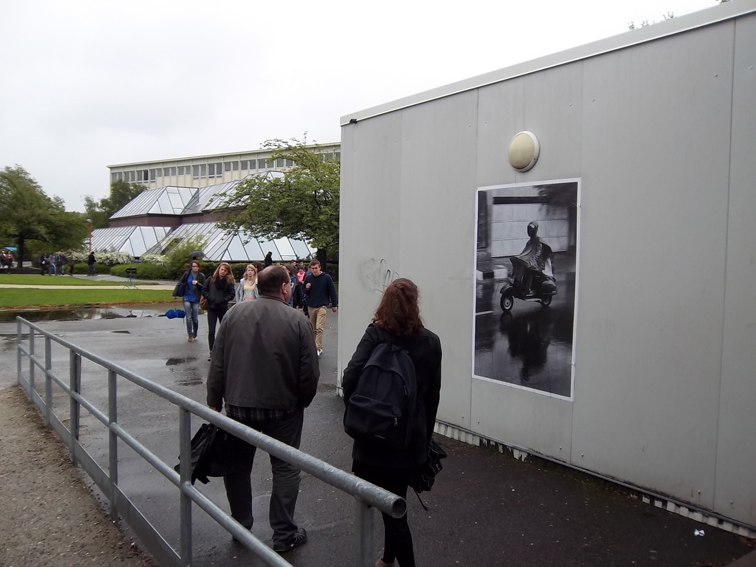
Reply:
x=311, y=292
x=265, y=368
x=54, y=264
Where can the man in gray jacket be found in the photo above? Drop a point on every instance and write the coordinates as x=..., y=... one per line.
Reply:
x=265, y=366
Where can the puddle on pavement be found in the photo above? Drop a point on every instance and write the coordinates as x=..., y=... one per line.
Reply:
x=86, y=313
x=180, y=360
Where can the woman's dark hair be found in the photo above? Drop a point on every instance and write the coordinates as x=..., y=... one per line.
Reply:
x=399, y=311
x=270, y=280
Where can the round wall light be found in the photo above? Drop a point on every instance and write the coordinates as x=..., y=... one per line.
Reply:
x=524, y=150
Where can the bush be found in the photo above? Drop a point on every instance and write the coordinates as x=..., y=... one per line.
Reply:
x=81, y=268
x=143, y=271
x=107, y=258
x=154, y=259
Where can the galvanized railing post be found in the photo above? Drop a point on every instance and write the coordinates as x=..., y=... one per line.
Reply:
x=18, y=350
x=185, y=472
x=365, y=533
x=48, y=381
x=74, y=383
x=113, y=446
x=31, y=363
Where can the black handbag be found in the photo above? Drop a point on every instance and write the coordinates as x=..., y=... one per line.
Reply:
x=424, y=475
x=214, y=453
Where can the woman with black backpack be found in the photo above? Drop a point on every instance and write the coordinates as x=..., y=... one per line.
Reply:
x=390, y=465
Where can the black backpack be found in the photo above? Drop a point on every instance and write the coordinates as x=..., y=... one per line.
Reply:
x=381, y=411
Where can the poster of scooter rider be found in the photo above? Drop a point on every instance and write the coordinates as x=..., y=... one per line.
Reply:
x=526, y=272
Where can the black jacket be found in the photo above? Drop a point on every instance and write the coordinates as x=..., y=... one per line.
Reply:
x=200, y=284
x=425, y=351
x=218, y=293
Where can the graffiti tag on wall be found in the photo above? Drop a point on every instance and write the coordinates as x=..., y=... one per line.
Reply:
x=376, y=275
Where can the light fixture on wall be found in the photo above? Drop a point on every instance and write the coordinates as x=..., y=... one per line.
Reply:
x=524, y=150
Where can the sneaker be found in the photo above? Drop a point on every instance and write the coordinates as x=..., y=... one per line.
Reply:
x=299, y=538
x=320, y=351
x=194, y=336
x=189, y=339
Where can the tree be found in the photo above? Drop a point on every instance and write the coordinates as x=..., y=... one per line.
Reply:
x=304, y=202
x=94, y=213
x=121, y=193
x=29, y=214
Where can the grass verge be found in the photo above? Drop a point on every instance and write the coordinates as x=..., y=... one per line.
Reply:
x=11, y=298
x=30, y=279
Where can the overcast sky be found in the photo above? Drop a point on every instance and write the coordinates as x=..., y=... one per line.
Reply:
x=84, y=85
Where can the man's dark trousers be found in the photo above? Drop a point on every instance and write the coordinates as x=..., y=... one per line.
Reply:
x=285, y=478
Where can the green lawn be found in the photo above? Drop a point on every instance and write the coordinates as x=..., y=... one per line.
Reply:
x=31, y=279
x=10, y=297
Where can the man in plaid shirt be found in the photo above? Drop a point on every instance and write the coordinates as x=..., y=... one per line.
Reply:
x=264, y=365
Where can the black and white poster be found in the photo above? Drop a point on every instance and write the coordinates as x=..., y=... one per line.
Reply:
x=525, y=280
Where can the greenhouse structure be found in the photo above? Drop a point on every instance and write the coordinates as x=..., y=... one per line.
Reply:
x=162, y=218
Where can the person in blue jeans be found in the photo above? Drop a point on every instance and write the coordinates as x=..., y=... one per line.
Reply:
x=193, y=281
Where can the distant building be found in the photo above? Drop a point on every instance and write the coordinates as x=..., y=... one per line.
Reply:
x=201, y=171
x=184, y=199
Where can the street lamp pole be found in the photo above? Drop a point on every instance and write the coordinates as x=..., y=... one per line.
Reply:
x=90, y=234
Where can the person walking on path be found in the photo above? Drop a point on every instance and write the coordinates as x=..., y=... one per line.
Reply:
x=51, y=264
x=320, y=292
x=268, y=258
x=397, y=321
x=42, y=264
x=91, y=261
x=193, y=281
x=218, y=292
x=246, y=289
x=265, y=367
x=71, y=264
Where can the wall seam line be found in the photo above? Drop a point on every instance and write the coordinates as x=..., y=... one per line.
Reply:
x=724, y=291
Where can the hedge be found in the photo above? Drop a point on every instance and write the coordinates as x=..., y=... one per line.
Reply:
x=143, y=271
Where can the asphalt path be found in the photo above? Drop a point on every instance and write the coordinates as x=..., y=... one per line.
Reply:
x=486, y=508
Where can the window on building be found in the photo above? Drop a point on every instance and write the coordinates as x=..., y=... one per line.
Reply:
x=153, y=174
x=227, y=166
x=280, y=162
x=260, y=164
x=216, y=169
x=119, y=176
x=173, y=171
x=245, y=165
x=113, y=177
x=196, y=171
x=289, y=163
x=338, y=156
x=166, y=172
x=329, y=157
x=140, y=175
x=235, y=165
x=203, y=170
x=132, y=176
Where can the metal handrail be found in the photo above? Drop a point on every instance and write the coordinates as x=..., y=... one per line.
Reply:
x=366, y=494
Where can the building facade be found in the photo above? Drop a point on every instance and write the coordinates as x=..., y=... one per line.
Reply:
x=642, y=368
x=202, y=171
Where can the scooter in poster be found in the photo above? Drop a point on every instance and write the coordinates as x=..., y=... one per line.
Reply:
x=532, y=274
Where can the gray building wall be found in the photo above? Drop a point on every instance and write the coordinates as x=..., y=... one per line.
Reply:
x=662, y=135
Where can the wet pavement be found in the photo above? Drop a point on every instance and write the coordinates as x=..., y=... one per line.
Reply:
x=486, y=509
x=529, y=346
